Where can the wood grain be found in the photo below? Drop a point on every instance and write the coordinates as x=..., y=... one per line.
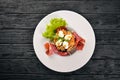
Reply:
x=16, y=51
x=112, y=77
x=58, y=77
x=33, y=66
x=36, y=6
x=107, y=52
x=16, y=36
x=52, y=77
x=112, y=66
x=26, y=51
x=30, y=21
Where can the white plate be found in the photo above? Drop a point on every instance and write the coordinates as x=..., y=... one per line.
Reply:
x=79, y=58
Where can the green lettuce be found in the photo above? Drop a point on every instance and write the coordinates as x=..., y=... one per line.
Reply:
x=52, y=26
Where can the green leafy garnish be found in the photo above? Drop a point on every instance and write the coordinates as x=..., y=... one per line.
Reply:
x=62, y=39
x=52, y=26
x=67, y=40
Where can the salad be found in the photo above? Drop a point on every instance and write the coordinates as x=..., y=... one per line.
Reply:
x=62, y=40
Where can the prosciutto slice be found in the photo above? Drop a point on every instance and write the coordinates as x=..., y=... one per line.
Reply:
x=51, y=48
x=79, y=41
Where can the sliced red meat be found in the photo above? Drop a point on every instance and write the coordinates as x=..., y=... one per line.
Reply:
x=78, y=38
x=79, y=41
x=62, y=53
x=55, y=50
x=46, y=45
x=80, y=46
x=49, y=50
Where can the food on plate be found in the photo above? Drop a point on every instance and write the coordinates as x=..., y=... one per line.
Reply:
x=63, y=41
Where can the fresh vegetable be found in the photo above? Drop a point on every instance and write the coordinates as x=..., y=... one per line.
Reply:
x=52, y=26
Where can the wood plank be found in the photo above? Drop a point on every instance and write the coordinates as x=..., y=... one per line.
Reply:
x=26, y=51
x=16, y=36
x=30, y=21
x=107, y=52
x=107, y=36
x=33, y=66
x=51, y=77
x=26, y=36
x=103, y=21
x=57, y=77
x=16, y=51
x=86, y=77
x=36, y=6
x=32, y=77
x=112, y=77
x=20, y=21
x=112, y=66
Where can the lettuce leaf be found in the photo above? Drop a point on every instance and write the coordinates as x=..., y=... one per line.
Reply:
x=52, y=26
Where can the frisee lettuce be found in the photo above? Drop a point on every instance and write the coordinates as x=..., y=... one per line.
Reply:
x=52, y=26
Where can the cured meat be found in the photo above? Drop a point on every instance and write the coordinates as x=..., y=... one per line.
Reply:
x=78, y=38
x=62, y=53
x=79, y=45
x=59, y=52
x=79, y=41
x=49, y=50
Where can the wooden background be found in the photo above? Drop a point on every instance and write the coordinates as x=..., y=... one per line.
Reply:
x=18, y=20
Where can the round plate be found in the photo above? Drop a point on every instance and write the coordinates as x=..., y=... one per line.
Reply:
x=76, y=60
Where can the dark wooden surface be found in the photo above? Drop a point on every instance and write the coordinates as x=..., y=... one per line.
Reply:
x=18, y=20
